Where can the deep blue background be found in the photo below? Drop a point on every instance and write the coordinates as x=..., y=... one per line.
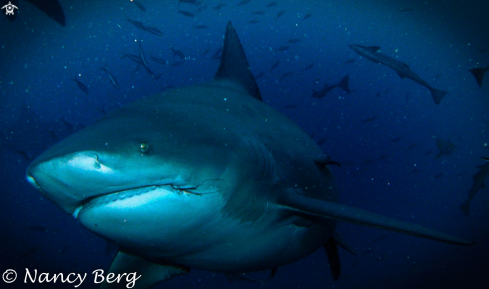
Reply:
x=439, y=40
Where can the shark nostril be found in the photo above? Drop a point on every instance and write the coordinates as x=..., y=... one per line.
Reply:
x=97, y=164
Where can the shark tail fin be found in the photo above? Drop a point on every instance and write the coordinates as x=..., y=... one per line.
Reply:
x=479, y=74
x=234, y=65
x=331, y=210
x=465, y=207
x=343, y=84
x=437, y=94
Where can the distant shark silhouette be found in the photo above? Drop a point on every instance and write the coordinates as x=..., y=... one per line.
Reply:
x=476, y=186
x=373, y=53
x=479, y=74
x=52, y=8
x=206, y=177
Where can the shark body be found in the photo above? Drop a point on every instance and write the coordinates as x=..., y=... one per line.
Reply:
x=206, y=177
x=373, y=54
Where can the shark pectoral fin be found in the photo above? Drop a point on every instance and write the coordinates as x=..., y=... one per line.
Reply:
x=149, y=273
x=341, y=242
x=333, y=257
x=331, y=210
x=234, y=65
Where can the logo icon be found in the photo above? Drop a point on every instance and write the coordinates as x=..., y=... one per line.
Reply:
x=9, y=8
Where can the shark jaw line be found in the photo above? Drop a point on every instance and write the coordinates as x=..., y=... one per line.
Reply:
x=114, y=196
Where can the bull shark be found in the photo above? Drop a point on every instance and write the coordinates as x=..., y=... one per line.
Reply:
x=476, y=186
x=373, y=54
x=206, y=177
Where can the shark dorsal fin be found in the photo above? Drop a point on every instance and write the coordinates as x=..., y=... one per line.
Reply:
x=234, y=65
x=373, y=49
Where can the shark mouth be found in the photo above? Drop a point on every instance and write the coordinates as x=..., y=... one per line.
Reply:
x=110, y=197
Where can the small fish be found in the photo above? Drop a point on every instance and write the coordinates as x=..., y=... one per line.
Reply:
x=306, y=16
x=206, y=52
x=294, y=40
x=111, y=77
x=283, y=48
x=370, y=119
x=219, y=6
x=254, y=21
x=141, y=55
x=81, y=86
x=309, y=67
x=154, y=31
x=133, y=57
x=290, y=106
x=138, y=24
x=201, y=8
x=243, y=2
x=483, y=50
x=280, y=14
x=258, y=12
x=186, y=13
x=275, y=65
x=140, y=6
x=201, y=26
x=287, y=74
x=159, y=60
x=271, y=4
x=349, y=61
x=395, y=139
x=178, y=53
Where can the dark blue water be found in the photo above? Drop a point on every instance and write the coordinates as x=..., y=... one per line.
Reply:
x=439, y=40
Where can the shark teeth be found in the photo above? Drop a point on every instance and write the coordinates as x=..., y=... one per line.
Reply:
x=77, y=210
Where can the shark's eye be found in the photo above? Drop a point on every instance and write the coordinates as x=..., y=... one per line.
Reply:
x=143, y=147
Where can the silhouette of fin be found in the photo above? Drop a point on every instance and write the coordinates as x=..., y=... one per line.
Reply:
x=234, y=65
x=331, y=250
x=343, y=84
x=437, y=94
x=479, y=74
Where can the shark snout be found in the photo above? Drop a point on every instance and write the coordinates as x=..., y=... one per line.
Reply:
x=69, y=179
